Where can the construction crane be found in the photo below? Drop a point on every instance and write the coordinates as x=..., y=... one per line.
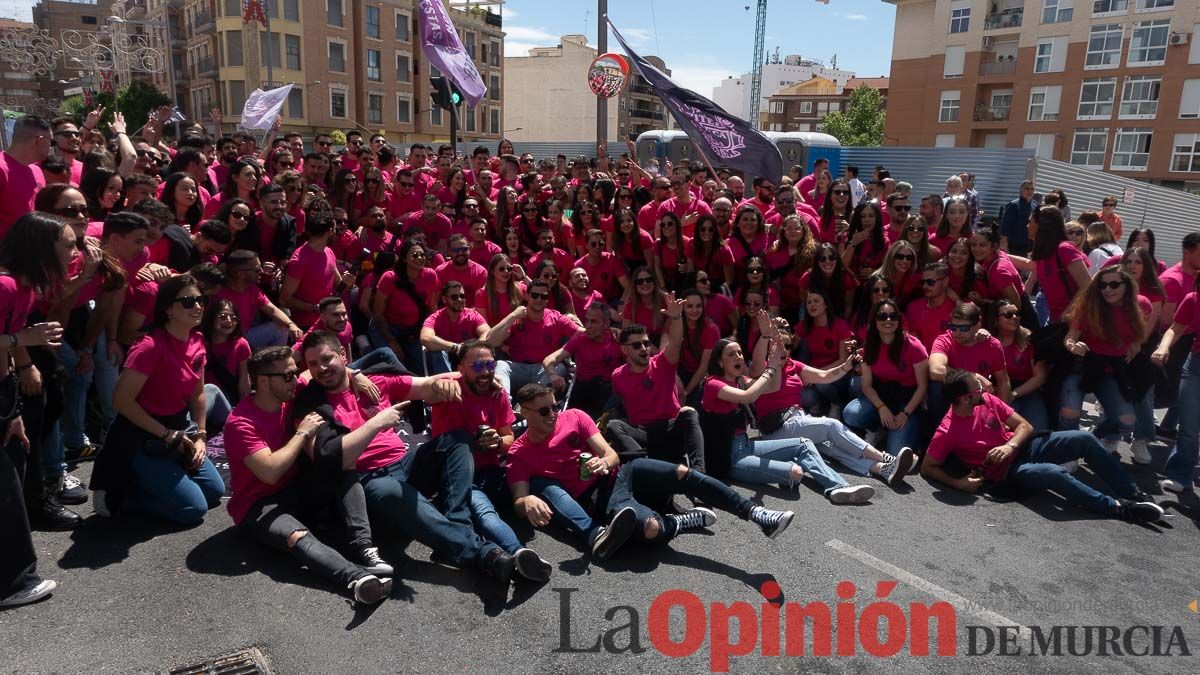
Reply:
x=760, y=38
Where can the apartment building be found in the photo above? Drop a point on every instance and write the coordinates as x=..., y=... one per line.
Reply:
x=804, y=105
x=733, y=93
x=55, y=16
x=1105, y=84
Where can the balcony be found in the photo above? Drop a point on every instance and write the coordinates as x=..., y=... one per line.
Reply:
x=646, y=114
x=206, y=68
x=1009, y=18
x=135, y=9
x=1001, y=66
x=985, y=113
x=203, y=23
x=643, y=89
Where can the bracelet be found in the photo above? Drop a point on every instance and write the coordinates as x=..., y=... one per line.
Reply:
x=201, y=434
x=302, y=434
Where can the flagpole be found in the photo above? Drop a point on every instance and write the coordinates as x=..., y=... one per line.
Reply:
x=602, y=47
x=699, y=151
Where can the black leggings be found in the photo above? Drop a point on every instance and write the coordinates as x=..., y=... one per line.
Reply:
x=651, y=481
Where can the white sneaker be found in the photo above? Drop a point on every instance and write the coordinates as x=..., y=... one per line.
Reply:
x=46, y=587
x=852, y=494
x=1113, y=446
x=1175, y=486
x=1141, y=454
x=1071, y=466
x=370, y=589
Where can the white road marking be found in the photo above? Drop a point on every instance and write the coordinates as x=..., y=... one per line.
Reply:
x=960, y=603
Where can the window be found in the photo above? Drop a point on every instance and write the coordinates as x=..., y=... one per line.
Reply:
x=953, y=66
x=469, y=118
x=948, y=111
x=471, y=44
x=372, y=20
x=1088, y=146
x=806, y=107
x=1131, y=150
x=1139, y=97
x=291, y=12
x=1041, y=144
x=1096, y=98
x=1148, y=42
x=1194, y=52
x=494, y=88
x=1051, y=55
x=89, y=20
x=495, y=53
x=943, y=141
x=1185, y=153
x=337, y=103
x=337, y=57
x=333, y=17
x=237, y=95
x=1189, y=105
x=268, y=45
x=374, y=73
x=271, y=9
x=1054, y=11
x=404, y=110
x=291, y=47
x=295, y=104
x=1154, y=5
x=233, y=48
x=960, y=16
x=1104, y=46
x=375, y=108
x=435, y=116
x=776, y=106
x=233, y=8
x=1043, y=103
x=401, y=27
x=495, y=120
x=403, y=68
x=1102, y=7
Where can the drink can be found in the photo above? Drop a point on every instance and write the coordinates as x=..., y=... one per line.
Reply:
x=584, y=472
x=481, y=430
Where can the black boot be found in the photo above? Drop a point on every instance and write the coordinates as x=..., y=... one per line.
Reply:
x=49, y=515
x=500, y=565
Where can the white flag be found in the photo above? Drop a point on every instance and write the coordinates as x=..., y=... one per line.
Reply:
x=262, y=107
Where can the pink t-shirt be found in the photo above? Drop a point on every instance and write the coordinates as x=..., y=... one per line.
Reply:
x=472, y=277
x=758, y=246
x=532, y=340
x=483, y=305
x=646, y=243
x=824, y=342
x=689, y=354
x=1177, y=283
x=317, y=273
x=647, y=216
x=230, y=354
x=483, y=253
x=16, y=301
x=345, y=335
x=886, y=370
x=467, y=415
x=579, y=304
x=594, y=359
x=714, y=265
x=19, y=184
x=972, y=437
x=436, y=232
x=352, y=411
x=673, y=205
x=1051, y=279
x=651, y=395
x=604, y=274
x=711, y=398
x=790, y=385
x=1000, y=275
x=556, y=457
x=563, y=262
x=719, y=308
x=1104, y=347
x=466, y=327
x=401, y=309
x=926, y=322
x=246, y=303
x=1188, y=314
x=984, y=357
x=248, y=430
x=1019, y=361
x=172, y=368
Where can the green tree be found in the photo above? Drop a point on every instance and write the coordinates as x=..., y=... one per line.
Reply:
x=134, y=101
x=862, y=123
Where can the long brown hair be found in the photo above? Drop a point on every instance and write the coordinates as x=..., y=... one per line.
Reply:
x=1089, y=309
x=513, y=291
x=802, y=259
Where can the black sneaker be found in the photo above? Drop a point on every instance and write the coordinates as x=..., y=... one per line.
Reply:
x=500, y=565
x=71, y=491
x=370, y=589
x=611, y=538
x=696, y=518
x=369, y=559
x=85, y=453
x=531, y=566
x=896, y=468
x=52, y=516
x=1139, y=512
x=772, y=522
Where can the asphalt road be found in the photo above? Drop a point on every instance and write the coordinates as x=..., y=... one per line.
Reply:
x=135, y=596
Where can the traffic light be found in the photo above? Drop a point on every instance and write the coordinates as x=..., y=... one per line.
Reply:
x=444, y=94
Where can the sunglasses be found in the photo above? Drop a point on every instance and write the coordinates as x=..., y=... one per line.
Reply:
x=373, y=180
x=226, y=316
x=289, y=165
x=880, y=291
x=530, y=210
x=841, y=193
x=460, y=249
x=539, y=296
x=1009, y=315
x=545, y=411
x=905, y=256
x=931, y=282
x=505, y=268
x=640, y=344
x=1109, y=204
x=414, y=256
x=1074, y=233
x=243, y=216
x=887, y=316
x=287, y=375
x=706, y=281
x=753, y=303
x=191, y=301
x=324, y=143
x=405, y=183
x=915, y=228
x=457, y=296
x=68, y=134
x=645, y=280
x=1111, y=285
x=595, y=243
x=899, y=207
x=755, y=270
x=960, y=328
x=71, y=211
x=483, y=366
x=827, y=258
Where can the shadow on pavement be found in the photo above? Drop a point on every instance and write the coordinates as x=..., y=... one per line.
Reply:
x=101, y=542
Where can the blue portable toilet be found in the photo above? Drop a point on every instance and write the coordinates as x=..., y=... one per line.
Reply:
x=805, y=147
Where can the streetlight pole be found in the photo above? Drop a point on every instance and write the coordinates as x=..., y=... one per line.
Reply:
x=270, y=44
x=602, y=46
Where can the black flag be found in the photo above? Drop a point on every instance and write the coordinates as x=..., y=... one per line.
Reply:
x=727, y=139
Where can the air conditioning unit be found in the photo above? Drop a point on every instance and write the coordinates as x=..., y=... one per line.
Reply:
x=1178, y=39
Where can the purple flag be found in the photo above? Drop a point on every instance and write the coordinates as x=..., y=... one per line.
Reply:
x=729, y=139
x=440, y=44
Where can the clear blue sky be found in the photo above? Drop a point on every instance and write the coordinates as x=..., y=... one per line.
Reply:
x=702, y=41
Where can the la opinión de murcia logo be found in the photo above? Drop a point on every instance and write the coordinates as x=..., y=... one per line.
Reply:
x=881, y=628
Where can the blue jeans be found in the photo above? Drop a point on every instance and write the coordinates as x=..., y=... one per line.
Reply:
x=1033, y=408
x=861, y=414
x=217, y=408
x=1108, y=392
x=75, y=390
x=1042, y=308
x=1181, y=463
x=491, y=488
x=565, y=512
x=839, y=442
x=820, y=397
x=1143, y=424
x=397, y=498
x=266, y=334
x=1039, y=469
x=770, y=461
x=417, y=360
x=376, y=357
x=166, y=490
